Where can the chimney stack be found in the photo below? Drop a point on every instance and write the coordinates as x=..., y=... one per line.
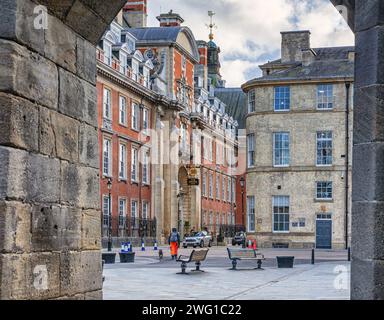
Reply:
x=170, y=19
x=135, y=13
x=293, y=44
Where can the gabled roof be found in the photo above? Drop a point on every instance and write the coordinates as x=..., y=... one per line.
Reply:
x=165, y=35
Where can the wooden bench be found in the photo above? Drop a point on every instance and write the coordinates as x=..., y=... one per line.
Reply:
x=245, y=254
x=196, y=256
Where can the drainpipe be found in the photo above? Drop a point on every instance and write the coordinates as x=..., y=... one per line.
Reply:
x=347, y=138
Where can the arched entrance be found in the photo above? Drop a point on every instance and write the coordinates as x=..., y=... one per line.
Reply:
x=50, y=166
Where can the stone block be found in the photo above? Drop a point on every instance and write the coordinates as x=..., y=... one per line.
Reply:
x=368, y=220
x=104, y=9
x=59, y=135
x=59, y=8
x=28, y=177
x=28, y=74
x=369, y=67
x=94, y=295
x=80, y=186
x=368, y=174
x=29, y=276
x=90, y=230
x=77, y=98
x=15, y=227
x=86, y=60
x=18, y=123
x=89, y=146
x=369, y=114
x=370, y=14
x=86, y=22
x=80, y=272
x=17, y=23
x=56, y=228
x=367, y=279
x=60, y=44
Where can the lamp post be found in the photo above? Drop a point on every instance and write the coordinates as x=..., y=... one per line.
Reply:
x=109, y=184
x=242, y=184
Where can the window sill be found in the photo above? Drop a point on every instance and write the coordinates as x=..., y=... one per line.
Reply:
x=324, y=200
x=281, y=232
x=125, y=180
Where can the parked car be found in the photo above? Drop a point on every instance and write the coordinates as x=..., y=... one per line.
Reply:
x=239, y=238
x=200, y=239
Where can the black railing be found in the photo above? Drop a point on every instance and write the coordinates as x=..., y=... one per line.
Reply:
x=226, y=230
x=132, y=227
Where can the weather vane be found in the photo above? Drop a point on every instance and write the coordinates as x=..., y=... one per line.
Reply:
x=212, y=25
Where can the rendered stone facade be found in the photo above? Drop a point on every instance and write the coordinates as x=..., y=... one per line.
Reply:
x=309, y=113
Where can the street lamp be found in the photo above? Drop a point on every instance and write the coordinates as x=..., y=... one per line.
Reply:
x=109, y=184
x=242, y=184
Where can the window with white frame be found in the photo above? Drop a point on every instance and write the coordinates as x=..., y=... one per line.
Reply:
x=325, y=96
x=134, y=214
x=211, y=218
x=146, y=210
x=282, y=98
x=123, y=63
x=217, y=221
x=123, y=110
x=229, y=195
x=251, y=101
x=146, y=167
x=210, y=185
x=251, y=214
x=223, y=184
x=218, y=159
x=106, y=207
x=217, y=186
x=122, y=161
x=183, y=134
x=135, y=69
x=145, y=120
x=324, y=190
x=210, y=150
x=107, y=107
x=107, y=47
x=281, y=155
x=135, y=116
x=324, y=148
x=280, y=213
x=223, y=219
x=134, y=165
x=107, y=157
x=147, y=79
x=122, y=212
x=204, y=184
x=229, y=218
x=251, y=150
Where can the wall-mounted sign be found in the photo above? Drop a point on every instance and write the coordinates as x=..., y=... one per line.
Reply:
x=193, y=182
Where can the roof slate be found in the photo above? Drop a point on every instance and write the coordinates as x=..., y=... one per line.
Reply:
x=235, y=99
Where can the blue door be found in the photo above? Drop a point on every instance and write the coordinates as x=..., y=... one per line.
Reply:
x=324, y=234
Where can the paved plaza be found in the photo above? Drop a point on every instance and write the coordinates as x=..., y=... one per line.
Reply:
x=150, y=279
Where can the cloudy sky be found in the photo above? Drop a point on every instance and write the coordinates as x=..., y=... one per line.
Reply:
x=248, y=31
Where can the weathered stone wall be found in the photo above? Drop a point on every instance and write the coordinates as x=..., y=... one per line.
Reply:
x=49, y=173
x=368, y=177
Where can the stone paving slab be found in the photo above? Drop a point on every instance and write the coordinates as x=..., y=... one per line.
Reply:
x=303, y=282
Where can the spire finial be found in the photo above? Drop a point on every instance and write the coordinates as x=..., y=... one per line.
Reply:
x=211, y=25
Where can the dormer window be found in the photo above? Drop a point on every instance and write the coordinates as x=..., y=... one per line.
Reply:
x=107, y=53
x=135, y=69
x=123, y=63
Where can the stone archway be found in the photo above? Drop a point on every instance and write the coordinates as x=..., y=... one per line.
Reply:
x=49, y=153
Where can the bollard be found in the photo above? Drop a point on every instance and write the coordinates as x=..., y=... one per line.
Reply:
x=142, y=245
x=155, y=246
x=349, y=253
x=313, y=257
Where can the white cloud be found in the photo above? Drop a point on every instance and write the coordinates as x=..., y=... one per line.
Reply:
x=248, y=31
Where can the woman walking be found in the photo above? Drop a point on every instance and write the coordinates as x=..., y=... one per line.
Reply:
x=174, y=242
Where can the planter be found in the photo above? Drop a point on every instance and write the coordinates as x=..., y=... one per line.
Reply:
x=285, y=262
x=109, y=257
x=127, y=257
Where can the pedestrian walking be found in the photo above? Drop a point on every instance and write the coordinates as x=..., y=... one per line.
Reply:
x=174, y=242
